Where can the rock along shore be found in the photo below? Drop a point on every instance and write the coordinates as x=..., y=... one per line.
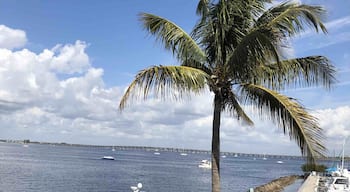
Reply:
x=277, y=185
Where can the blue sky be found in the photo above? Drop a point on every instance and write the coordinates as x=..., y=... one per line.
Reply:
x=64, y=66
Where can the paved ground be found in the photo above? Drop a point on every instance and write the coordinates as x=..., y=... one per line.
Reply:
x=310, y=184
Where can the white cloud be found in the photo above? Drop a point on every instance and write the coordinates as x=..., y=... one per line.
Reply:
x=69, y=59
x=331, y=40
x=332, y=26
x=12, y=38
x=336, y=125
x=338, y=23
x=335, y=121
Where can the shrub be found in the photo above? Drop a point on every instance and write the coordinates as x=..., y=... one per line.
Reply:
x=313, y=167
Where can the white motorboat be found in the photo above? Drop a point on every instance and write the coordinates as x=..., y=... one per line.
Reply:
x=339, y=184
x=183, y=154
x=136, y=188
x=205, y=164
x=279, y=162
x=107, y=158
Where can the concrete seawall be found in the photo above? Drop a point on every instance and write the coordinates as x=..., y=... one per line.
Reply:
x=310, y=184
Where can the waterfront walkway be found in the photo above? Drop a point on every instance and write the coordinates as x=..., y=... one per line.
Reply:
x=310, y=184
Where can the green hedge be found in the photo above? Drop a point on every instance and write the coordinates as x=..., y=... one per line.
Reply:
x=313, y=167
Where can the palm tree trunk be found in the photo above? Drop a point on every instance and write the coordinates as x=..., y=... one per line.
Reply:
x=215, y=146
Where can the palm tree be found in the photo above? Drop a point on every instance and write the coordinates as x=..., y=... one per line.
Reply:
x=236, y=50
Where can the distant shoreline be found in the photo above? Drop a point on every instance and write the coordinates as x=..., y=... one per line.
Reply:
x=161, y=149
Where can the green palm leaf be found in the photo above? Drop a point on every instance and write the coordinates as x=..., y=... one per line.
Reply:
x=290, y=18
x=165, y=81
x=203, y=7
x=232, y=105
x=300, y=72
x=197, y=65
x=258, y=46
x=173, y=37
x=288, y=115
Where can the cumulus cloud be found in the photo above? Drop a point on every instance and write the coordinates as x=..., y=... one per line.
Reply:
x=32, y=96
x=336, y=124
x=68, y=58
x=12, y=38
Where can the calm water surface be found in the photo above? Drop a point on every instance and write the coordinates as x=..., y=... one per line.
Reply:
x=66, y=168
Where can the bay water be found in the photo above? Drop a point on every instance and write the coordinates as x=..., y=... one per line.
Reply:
x=61, y=168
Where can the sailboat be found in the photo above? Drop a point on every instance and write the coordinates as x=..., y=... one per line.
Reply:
x=264, y=158
x=183, y=153
x=156, y=152
x=340, y=177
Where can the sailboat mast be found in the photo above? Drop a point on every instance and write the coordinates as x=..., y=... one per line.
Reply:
x=342, y=160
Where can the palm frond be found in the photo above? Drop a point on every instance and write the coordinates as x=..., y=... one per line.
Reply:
x=258, y=46
x=195, y=64
x=289, y=115
x=173, y=37
x=298, y=72
x=203, y=8
x=232, y=105
x=165, y=82
x=291, y=18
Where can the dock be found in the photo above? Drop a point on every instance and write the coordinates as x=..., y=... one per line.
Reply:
x=310, y=184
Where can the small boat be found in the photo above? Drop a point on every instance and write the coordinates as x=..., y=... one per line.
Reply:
x=156, y=153
x=279, y=162
x=183, y=154
x=206, y=164
x=339, y=184
x=107, y=158
x=264, y=158
x=136, y=188
x=25, y=145
x=235, y=155
x=224, y=156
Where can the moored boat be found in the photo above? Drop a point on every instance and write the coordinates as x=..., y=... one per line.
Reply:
x=339, y=184
x=107, y=158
